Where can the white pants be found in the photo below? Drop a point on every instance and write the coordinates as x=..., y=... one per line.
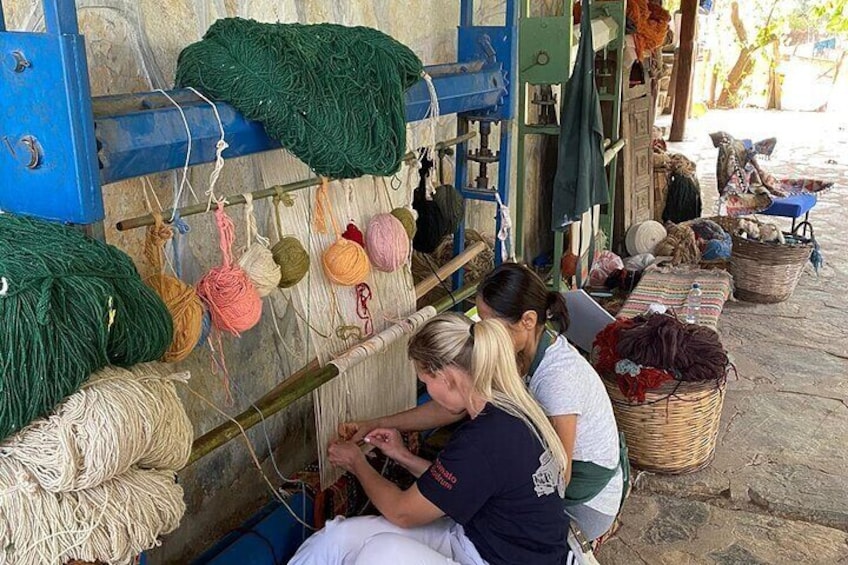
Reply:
x=373, y=540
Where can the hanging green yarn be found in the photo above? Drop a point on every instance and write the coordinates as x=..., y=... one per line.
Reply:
x=69, y=305
x=293, y=260
x=332, y=95
x=407, y=219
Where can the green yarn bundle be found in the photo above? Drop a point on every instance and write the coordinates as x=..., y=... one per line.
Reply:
x=293, y=260
x=405, y=216
x=69, y=305
x=332, y=95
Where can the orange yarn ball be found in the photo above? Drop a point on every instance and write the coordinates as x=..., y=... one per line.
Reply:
x=186, y=310
x=346, y=263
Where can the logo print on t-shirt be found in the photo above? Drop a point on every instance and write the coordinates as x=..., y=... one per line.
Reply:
x=547, y=477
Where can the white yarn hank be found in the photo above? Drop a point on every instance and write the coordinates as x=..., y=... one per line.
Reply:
x=118, y=419
x=111, y=523
x=258, y=261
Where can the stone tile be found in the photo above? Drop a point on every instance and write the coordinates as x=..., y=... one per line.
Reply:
x=667, y=530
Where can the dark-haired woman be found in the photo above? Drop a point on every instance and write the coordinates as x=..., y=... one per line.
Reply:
x=560, y=379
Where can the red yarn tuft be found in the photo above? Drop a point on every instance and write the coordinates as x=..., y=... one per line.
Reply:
x=354, y=234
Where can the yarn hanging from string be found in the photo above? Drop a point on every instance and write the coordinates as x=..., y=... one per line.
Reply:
x=232, y=299
x=258, y=261
x=69, y=305
x=438, y=217
x=261, y=268
x=354, y=234
x=332, y=95
x=182, y=301
x=288, y=253
x=407, y=219
x=386, y=243
x=111, y=523
x=345, y=261
x=119, y=419
x=293, y=260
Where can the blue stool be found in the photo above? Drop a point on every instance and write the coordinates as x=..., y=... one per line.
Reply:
x=793, y=207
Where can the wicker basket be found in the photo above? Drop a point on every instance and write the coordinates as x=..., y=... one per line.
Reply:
x=675, y=430
x=768, y=272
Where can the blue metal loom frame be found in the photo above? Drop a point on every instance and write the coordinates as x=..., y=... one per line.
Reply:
x=58, y=146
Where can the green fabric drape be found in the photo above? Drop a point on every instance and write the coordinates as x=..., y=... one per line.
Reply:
x=580, y=181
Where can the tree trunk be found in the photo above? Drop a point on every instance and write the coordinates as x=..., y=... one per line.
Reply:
x=741, y=69
x=775, y=89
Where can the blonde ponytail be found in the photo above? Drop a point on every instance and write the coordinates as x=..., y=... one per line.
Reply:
x=485, y=351
x=496, y=376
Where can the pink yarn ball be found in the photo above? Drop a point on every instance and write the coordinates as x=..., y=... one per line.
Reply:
x=386, y=242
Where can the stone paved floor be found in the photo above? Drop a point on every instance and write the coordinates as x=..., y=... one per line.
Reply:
x=777, y=491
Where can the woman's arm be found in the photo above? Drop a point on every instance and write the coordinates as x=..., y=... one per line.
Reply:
x=414, y=464
x=427, y=416
x=566, y=429
x=405, y=509
x=391, y=444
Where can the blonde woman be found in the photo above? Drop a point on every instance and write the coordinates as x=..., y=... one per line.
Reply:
x=493, y=495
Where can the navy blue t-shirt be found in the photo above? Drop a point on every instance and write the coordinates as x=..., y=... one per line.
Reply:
x=495, y=479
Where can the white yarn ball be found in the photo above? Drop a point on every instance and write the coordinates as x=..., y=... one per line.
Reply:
x=258, y=262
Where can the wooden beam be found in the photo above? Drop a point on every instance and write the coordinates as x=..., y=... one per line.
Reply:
x=448, y=269
x=685, y=60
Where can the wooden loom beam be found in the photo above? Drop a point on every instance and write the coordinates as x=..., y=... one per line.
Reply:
x=448, y=269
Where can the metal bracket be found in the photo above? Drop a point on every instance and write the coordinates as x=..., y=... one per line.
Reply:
x=47, y=128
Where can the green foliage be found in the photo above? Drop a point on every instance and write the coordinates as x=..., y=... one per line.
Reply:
x=834, y=15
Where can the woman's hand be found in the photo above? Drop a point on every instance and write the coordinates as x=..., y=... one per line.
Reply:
x=356, y=431
x=345, y=454
x=389, y=442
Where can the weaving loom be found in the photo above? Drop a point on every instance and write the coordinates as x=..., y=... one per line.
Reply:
x=382, y=383
x=104, y=140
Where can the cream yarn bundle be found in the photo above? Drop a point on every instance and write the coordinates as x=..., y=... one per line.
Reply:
x=120, y=418
x=96, y=481
x=112, y=522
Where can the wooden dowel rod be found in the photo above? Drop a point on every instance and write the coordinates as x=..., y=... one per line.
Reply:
x=612, y=151
x=236, y=199
x=287, y=392
x=448, y=269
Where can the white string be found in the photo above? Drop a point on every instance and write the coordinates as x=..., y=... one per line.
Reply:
x=220, y=147
x=179, y=193
x=432, y=119
x=253, y=456
x=505, y=233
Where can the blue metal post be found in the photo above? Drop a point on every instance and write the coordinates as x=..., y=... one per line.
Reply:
x=460, y=180
x=466, y=13
x=2, y=18
x=49, y=158
x=60, y=16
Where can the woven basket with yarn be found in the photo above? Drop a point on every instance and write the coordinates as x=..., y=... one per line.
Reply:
x=767, y=273
x=674, y=431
